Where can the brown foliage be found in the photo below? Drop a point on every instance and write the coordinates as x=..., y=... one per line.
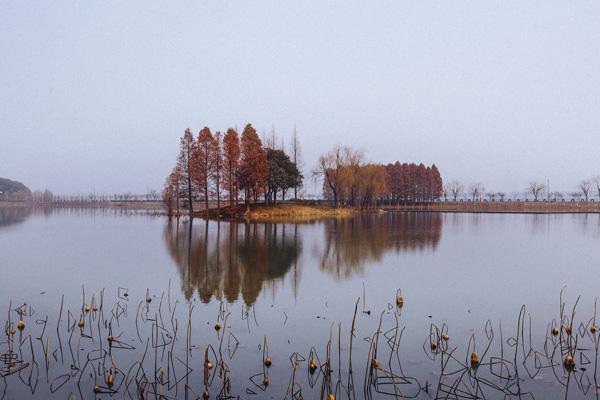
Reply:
x=254, y=167
x=231, y=162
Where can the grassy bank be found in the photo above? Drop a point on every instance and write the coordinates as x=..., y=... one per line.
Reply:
x=530, y=207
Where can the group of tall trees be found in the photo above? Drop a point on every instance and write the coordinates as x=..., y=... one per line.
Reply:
x=218, y=166
x=348, y=181
x=413, y=183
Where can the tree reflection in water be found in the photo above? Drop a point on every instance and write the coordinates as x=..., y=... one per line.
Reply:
x=229, y=259
x=13, y=215
x=350, y=243
x=224, y=259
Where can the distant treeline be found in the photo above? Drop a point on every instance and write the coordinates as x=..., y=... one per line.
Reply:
x=224, y=166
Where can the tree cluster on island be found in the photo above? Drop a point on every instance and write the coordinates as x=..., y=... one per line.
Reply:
x=224, y=166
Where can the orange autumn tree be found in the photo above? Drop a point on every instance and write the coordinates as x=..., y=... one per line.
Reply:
x=254, y=166
x=216, y=166
x=231, y=162
x=203, y=152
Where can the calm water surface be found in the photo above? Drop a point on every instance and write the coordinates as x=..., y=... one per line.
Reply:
x=294, y=283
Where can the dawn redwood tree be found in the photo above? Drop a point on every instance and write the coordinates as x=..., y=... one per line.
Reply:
x=204, y=149
x=231, y=162
x=436, y=184
x=216, y=166
x=185, y=166
x=254, y=167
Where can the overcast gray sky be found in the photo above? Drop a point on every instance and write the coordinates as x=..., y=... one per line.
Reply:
x=95, y=94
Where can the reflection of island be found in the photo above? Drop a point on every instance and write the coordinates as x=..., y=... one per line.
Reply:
x=13, y=215
x=349, y=243
x=226, y=259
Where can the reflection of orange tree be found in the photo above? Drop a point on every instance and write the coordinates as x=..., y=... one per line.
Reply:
x=232, y=257
x=351, y=242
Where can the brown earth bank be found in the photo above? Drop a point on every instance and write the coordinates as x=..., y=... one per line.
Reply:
x=279, y=212
x=523, y=207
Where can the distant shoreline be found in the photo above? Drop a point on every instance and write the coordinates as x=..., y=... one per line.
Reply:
x=310, y=210
x=514, y=207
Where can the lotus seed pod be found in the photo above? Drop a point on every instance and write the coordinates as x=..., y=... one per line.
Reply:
x=569, y=363
x=312, y=366
x=569, y=329
x=399, y=301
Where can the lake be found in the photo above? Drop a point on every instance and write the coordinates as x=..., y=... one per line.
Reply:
x=157, y=287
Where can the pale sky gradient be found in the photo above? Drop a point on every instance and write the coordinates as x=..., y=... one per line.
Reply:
x=95, y=94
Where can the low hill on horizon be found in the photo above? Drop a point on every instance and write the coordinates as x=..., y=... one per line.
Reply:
x=13, y=190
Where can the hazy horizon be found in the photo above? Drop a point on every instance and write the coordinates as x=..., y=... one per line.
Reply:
x=94, y=96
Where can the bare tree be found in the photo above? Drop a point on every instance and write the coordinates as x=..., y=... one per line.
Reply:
x=456, y=189
x=536, y=189
x=476, y=190
x=296, y=157
x=330, y=168
x=596, y=180
x=502, y=195
x=585, y=186
x=491, y=196
x=445, y=192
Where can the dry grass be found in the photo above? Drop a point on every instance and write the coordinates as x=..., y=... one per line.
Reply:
x=286, y=212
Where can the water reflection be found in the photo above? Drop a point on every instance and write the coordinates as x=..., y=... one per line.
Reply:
x=351, y=243
x=13, y=215
x=224, y=260
x=229, y=259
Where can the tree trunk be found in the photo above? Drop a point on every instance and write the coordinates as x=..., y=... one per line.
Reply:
x=218, y=195
x=191, y=205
